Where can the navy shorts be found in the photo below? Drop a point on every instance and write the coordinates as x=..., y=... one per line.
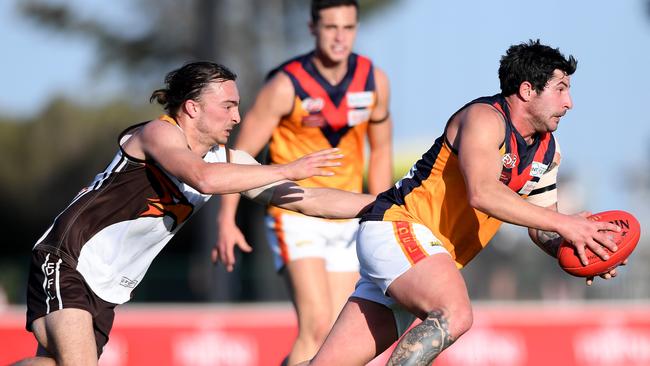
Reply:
x=54, y=285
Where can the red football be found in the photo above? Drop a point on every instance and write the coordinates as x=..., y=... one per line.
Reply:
x=626, y=241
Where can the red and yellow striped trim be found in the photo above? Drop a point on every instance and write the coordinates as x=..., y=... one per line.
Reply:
x=279, y=234
x=408, y=242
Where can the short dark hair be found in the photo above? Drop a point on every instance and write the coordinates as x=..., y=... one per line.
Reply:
x=187, y=82
x=532, y=62
x=318, y=5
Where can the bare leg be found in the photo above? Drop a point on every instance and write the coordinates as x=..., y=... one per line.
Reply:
x=42, y=358
x=422, y=344
x=341, y=286
x=308, y=282
x=66, y=336
x=363, y=330
x=435, y=291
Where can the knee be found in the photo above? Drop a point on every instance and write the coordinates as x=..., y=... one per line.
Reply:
x=460, y=319
x=36, y=361
x=454, y=321
x=320, y=330
x=317, y=329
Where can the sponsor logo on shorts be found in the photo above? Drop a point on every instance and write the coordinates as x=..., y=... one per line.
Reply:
x=127, y=282
x=302, y=243
x=408, y=242
x=436, y=243
x=49, y=268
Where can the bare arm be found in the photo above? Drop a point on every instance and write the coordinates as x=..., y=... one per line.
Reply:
x=320, y=202
x=548, y=241
x=166, y=145
x=480, y=133
x=380, y=166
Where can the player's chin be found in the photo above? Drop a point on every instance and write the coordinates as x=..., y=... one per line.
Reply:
x=223, y=138
x=338, y=55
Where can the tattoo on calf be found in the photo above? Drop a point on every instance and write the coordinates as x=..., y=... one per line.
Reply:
x=422, y=344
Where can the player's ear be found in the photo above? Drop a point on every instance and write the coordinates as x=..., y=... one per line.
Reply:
x=312, y=28
x=526, y=91
x=191, y=107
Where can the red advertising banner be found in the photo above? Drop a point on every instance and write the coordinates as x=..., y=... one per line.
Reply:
x=605, y=334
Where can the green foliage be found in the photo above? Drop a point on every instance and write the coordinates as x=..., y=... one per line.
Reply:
x=159, y=43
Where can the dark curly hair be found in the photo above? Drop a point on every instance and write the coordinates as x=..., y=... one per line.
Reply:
x=318, y=5
x=532, y=62
x=187, y=83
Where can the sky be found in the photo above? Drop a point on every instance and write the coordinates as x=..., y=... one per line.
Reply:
x=438, y=55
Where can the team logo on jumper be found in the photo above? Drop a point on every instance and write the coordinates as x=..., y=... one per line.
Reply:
x=360, y=99
x=313, y=105
x=168, y=200
x=537, y=169
x=509, y=160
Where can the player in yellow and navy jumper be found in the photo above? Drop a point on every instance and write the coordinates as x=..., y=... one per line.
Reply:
x=495, y=162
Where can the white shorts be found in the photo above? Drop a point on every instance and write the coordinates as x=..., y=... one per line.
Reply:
x=294, y=237
x=386, y=250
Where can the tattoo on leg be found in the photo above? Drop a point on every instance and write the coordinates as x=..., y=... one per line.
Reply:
x=422, y=344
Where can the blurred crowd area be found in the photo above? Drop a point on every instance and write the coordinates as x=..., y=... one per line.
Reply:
x=47, y=157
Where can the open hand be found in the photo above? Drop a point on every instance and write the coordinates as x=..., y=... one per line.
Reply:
x=312, y=164
x=583, y=233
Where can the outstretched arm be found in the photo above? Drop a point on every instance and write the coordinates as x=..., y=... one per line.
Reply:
x=167, y=145
x=320, y=202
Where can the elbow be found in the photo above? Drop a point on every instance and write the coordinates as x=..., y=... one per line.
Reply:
x=476, y=200
x=202, y=187
x=200, y=182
